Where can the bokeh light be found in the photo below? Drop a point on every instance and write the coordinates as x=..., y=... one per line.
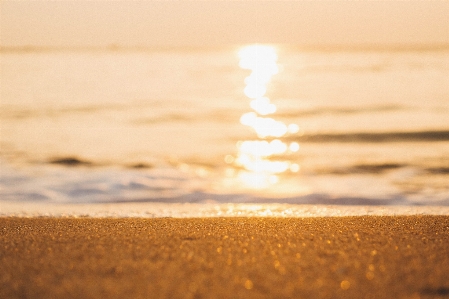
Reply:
x=258, y=160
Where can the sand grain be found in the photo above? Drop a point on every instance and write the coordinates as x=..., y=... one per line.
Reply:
x=335, y=257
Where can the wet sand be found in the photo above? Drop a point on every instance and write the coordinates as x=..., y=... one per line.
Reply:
x=334, y=257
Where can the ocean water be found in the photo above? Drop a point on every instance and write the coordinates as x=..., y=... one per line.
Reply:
x=265, y=125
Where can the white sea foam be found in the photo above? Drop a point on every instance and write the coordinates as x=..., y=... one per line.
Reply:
x=74, y=186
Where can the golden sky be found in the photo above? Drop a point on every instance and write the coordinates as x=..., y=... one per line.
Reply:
x=213, y=23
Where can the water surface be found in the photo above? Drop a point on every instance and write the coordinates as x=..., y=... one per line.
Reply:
x=321, y=127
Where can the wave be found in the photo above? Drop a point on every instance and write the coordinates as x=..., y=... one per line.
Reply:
x=70, y=161
x=364, y=137
x=438, y=170
x=340, y=111
x=363, y=169
x=79, y=181
x=15, y=113
x=373, y=168
x=98, y=196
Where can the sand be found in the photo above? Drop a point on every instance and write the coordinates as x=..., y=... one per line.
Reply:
x=253, y=257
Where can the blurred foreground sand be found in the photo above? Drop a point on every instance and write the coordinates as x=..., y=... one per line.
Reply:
x=332, y=257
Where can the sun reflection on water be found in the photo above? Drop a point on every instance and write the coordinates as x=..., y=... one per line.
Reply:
x=259, y=160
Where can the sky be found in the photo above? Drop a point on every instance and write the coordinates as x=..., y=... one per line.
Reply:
x=216, y=23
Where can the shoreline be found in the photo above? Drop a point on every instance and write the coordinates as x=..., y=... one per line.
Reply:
x=207, y=209
x=216, y=257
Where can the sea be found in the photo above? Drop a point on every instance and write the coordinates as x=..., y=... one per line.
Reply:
x=238, y=130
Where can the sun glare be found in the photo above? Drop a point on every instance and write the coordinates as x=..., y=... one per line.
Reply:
x=263, y=106
x=256, y=157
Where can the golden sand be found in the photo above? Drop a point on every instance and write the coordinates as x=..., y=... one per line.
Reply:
x=334, y=257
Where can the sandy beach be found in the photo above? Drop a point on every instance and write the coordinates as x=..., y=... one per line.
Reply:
x=333, y=257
